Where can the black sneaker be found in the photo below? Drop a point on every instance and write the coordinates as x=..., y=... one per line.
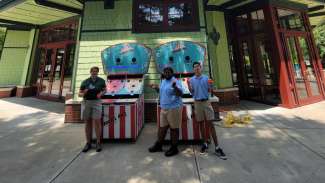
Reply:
x=86, y=148
x=98, y=147
x=204, y=147
x=219, y=152
x=173, y=150
x=157, y=147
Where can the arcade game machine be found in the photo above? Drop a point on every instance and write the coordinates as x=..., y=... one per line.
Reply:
x=180, y=55
x=123, y=103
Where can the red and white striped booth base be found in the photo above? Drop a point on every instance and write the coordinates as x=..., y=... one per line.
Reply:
x=189, y=127
x=122, y=118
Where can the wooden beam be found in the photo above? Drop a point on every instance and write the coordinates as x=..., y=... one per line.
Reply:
x=316, y=8
x=317, y=14
x=214, y=8
x=230, y=3
x=58, y=6
x=17, y=23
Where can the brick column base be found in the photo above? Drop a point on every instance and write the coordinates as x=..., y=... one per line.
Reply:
x=26, y=91
x=7, y=92
x=72, y=112
x=227, y=96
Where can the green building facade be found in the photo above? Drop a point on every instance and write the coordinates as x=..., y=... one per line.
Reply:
x=40, y=35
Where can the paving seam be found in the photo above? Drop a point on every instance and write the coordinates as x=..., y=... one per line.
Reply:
x=292, y=137
x=197, y=165
x=64, y=168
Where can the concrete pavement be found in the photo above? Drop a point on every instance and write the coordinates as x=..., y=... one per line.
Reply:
x=281, y=145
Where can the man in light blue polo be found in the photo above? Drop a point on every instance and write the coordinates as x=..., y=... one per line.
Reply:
x=199, y=86
x=171, y=105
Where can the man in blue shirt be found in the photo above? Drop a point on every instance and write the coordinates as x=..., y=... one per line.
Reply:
x=170, y=92
x=199, y=86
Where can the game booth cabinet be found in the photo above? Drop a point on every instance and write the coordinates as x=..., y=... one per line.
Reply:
x=180, y=55
x=123, y=103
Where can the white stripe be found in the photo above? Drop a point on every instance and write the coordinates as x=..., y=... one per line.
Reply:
x=190, y=132
x=117, y=122
x=106, y=117
x=128, y=121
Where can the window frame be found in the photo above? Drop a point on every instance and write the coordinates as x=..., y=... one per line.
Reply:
x=4, y=40
x=136, y=28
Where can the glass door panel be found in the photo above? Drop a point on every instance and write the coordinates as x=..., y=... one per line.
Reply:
x=46, y=79
x=269, y=88
x=56, y=79
x=251, y=79
x=309, y=73
x=68, y=69
x=298, y=73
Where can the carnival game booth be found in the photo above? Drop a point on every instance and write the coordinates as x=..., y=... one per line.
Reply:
x=180, y=55
x=123, y=103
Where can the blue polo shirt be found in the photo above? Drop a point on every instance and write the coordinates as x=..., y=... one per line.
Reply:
x=168, y=98
x=200, y=87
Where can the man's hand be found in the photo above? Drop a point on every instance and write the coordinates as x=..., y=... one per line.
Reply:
x=154, y=86
x=82, y=92
x=174, y=84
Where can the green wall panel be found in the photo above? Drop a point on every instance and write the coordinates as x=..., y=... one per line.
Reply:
x=13, y=59
x=105, y=21
x=219, y=54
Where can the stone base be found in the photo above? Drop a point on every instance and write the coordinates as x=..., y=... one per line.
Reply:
x=26, y=91
x=228, y=96
x=72, y=112
x=7, y=92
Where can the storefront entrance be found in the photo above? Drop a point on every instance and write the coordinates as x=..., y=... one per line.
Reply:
x=56, y=56
x=303, y=69
x=55, y=73
x=274, y=55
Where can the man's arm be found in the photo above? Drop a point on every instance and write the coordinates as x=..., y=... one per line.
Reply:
x=102, y=91
x=83, y=91
x=178, y=90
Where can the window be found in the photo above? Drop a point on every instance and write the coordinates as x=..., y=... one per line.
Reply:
x=290, y=20
x=59, y=33
x=258, y=20
x=165, y=16
x=2, y=38
x=242, y=24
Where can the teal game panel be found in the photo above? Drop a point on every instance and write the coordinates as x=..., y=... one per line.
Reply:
x=126, y=59
x=179, y=55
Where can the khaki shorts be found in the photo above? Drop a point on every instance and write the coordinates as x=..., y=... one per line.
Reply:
x=203, y=110
x=171, y=117
x=92, y=109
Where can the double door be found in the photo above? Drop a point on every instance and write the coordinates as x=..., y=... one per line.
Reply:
x=55, y=71
x=259, y=73
x=304, y=73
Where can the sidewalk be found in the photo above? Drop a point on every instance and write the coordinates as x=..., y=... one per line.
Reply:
x=281, y=145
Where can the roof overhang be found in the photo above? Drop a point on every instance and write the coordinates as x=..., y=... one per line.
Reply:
x=38, y=12
x=314, y=7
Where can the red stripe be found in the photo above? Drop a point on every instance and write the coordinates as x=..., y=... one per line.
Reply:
x=133, y=122
x=122, y=121
x=111, y=122
x=184, y=124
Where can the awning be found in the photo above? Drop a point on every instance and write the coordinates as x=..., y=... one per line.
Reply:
x=38, y=12
x=315, y=7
